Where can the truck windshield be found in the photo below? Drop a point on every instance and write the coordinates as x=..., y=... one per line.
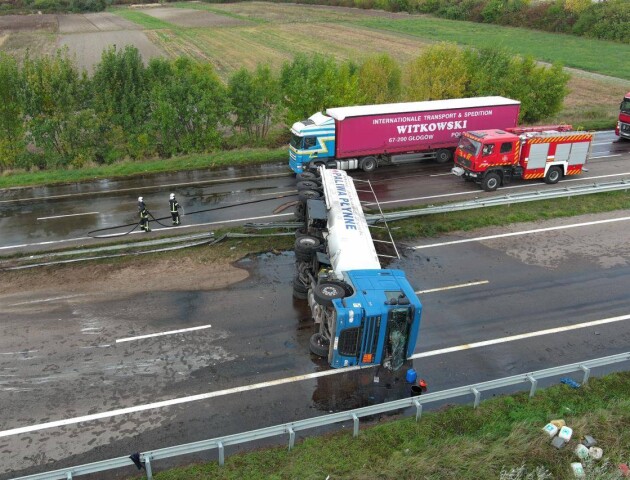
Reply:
x=625, y=105
x=469, y=145
x=296, y=141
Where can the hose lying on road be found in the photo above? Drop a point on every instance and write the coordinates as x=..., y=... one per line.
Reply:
x=136, y=225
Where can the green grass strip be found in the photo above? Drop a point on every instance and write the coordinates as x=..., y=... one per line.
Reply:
x=608, y=58
x=458, y=442
x=146, y=21
x=130, y=167
x=205, y=7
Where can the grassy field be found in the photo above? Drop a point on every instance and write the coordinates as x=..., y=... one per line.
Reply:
x=458, y=442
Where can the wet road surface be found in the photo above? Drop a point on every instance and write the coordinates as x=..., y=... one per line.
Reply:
x=60, y=216
x=61, y=356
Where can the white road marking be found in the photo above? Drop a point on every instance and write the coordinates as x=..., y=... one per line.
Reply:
x=606, y=156
x=23, y=352
x=52, y=299
x=463, y=285
x=440, y=174
x=172, y=332
x=522, y=336
x=601, y=143
x=511, y=187
x=278, y=193
x=70, y=215
x=282, y=381
x=524, y=232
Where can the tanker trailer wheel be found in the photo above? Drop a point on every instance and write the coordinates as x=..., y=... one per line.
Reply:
x=368, y=164
x=306, y=176
x=491, y=182
x=319, y=345
x=308, y=185
x=304, y=195
x=305, y=247
x=443, y=155
x=300, y=291
x=553, y=175
x=325, y=293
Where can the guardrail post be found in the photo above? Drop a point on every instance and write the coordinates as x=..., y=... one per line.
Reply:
x=355, y=419
x=587, y=372
x=532, y=390
x=147, y=466
x=291, y=438
x=477, y=394
x=418, y=409
x=221, y=453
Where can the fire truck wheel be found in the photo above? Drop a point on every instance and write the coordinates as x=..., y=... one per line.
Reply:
x=443, y=155
x=553, y=175
x=325, y=293
x=319, y=345
x=491, y=182
x=368, y=164
x=304, y=195
x=307, y=185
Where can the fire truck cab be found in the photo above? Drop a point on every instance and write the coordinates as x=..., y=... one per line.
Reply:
x=494, y=157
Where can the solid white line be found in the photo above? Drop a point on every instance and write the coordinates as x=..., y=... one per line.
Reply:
x=511, y=187
x=440, y=174
x=471, y=284
x=606, y=156
x=52, y=299
x=524, y=232
x=278, y=193
x=282, y=381
x=172, y=332
x=522, y=336
x=70, y=215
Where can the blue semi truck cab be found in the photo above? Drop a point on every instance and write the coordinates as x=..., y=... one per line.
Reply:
x=365, y=314
x=311, y=139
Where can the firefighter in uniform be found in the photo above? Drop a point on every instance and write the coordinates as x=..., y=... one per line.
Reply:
x=174, y=205
x=144, y=215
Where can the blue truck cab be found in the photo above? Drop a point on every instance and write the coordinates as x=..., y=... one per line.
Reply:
x=312, y=140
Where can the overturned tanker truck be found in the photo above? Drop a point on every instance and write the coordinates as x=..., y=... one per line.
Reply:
x=366, y=315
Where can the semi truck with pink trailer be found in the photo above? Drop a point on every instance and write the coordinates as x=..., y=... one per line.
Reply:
x=365, y=137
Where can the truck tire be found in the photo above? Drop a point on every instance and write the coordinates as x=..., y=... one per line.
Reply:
x=553, y=175
x=491, y=182
x=315, y=164
x=368, y=164
x=307, y=185
x=305, y=247
x=443, y=155
x=319, y=345
x=306, y=176
x=304, y=195
x=325, y=293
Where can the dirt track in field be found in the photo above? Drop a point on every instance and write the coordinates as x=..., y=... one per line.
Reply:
x=189, y=18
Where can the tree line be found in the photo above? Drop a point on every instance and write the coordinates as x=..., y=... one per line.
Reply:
x=53, y=115
x=606, y=20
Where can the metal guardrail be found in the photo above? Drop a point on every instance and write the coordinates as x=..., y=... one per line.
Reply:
x=352, y=415
x=507, y=199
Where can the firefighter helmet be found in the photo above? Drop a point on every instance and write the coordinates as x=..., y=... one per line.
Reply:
x=139, y=199
x=172, y=196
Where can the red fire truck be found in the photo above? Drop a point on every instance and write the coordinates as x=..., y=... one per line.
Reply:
x=494, y=157
x=623, y=124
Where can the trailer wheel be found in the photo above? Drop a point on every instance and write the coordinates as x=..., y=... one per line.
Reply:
x=491, y=182
x=325, y=293
x=304, y=195
x=319, y=345
x=300, y=232
x=368, y=164
x=553, y=175
x=443, y=155
x=306, y=176
x=307, y=185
